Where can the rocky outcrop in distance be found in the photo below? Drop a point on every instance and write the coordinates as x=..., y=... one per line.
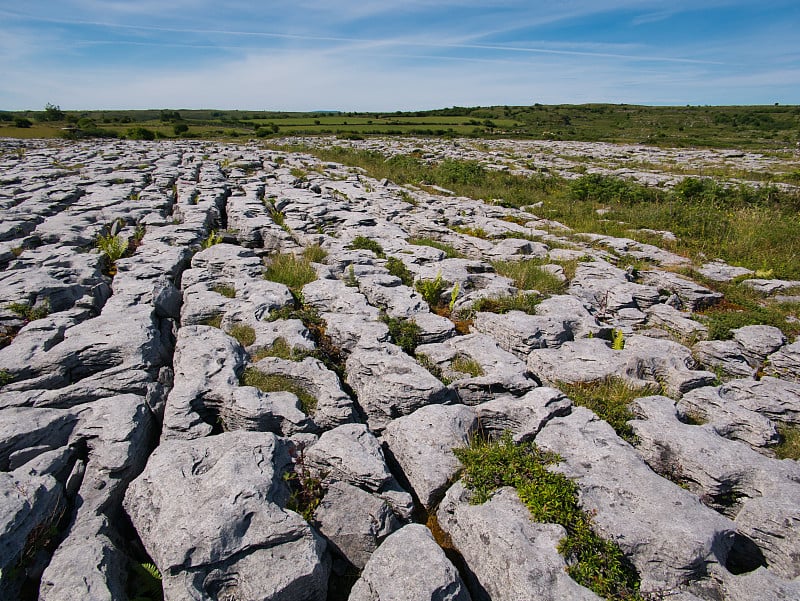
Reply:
x=173, y=422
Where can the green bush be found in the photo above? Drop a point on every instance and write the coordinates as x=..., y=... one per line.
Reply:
x=551, y=497
x=432, y=290
x=140, y=133
x=364, y=243
x=22, y=122
x=29, y=312
x=404, y=332
x=398, y=269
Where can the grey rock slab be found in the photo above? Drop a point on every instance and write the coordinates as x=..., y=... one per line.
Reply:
x=22, y=428
x=727, y=356
x=352, y=454
x=523, y=417
x=390, y=384
x=764, y=489
x=508, y=556
x=760, y=585
x=693, y=295
x=770, y=286
x=584, y=360
x=575, y=313
x=354, y=521
x=777, y=399
x=334, y=406
x=87, y=565
x=388, y=293
x=677, y=322
x=433, y=328
x=422, y=445
x=727, y=417
x=207, y=364
x=785, y=363
x=665, y=362
x=210, y=514
x=228, y=260
x=520, y=333
x=350, y=330
x=335, y=297
x=759, y=341
x=664, y=530
x=502, y=372
x=393, y=572
x=608, y=289
x=720, y=271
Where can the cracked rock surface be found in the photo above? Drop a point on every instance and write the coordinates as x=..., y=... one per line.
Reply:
x=180, y=409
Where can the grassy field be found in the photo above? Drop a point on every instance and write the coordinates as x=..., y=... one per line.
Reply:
x=746, y=127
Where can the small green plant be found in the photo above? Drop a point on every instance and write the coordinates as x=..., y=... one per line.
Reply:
x=351, y=280
x=467, y=365
x=475, y=232
x=279, y=383
x=789, y=446
x=279, y=217
x=432, y=290
x=245, y=334
x=144, y=583
x=610, y=400
x=295, y=272
x=306, y=489
x=113, y=246
x=5, y=378
x=213, y=239
x=30, y=313
x=617, y=339
x=315, y=253
x=551, y=497
x=364, y=243
x=404, y=332
x=225, y=290
x=453, y=297
x=398, y=269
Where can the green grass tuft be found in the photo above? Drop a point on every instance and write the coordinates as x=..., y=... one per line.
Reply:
x=398, y=269
x=28, y=312
x=609, y=399
x=448, y=250
x=503, y=304
x=245, y=334
x=789, y=447
x=279, y=383
x=295, y=272
x=225, y=290
x=529, y=275
x=314, y=253
x=404, y=332
x=364, y=243
x=467, y=365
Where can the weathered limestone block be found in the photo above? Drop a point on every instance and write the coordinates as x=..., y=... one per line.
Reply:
x=393, y=572
x=210, y=514
x=422, y=445
x=523, y=417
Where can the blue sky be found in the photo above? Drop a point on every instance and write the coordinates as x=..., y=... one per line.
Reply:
x=407, y=55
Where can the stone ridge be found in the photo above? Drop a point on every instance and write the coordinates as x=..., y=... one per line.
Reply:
x=173, y=407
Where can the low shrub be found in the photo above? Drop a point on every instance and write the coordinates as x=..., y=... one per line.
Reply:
x=30, y=312
x=364, y=243
x=398, y=269
x=551, y=497
x=404, y=332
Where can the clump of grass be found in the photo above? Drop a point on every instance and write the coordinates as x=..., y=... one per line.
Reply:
x=475, y=232
x=467, y=365
x=245, y=334
x=225, y=290
x=215, y=321
x=282, y=349
x=789, y=447
x=279, y=383
x=295, y=272
x=404, y=332
x=610, y=399
x=364, y=243
x=432, y=290
x=448, y=250
x=398, y=269
x=551, y=497
x=529, y=275
x=503, y=304
x=314, y=253
x=30, y=312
